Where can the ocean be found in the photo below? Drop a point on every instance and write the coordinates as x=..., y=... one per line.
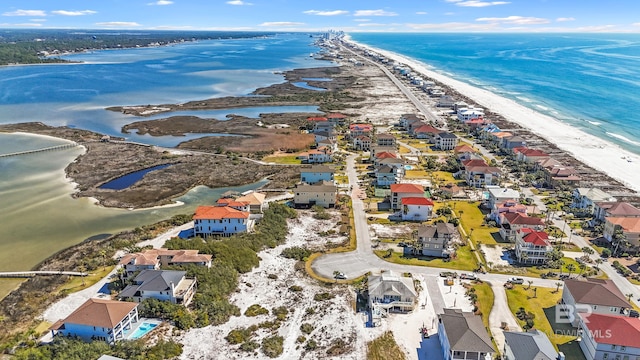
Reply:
x=590, y=81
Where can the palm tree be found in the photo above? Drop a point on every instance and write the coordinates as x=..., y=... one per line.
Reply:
x=558, y=284
x=561, y=262
x=598, y=262
x=587, y=250
x=530, y=282
x=629, y=296
x=535, y=291
x=524, y=257
x=581, y=266
x=571, y=268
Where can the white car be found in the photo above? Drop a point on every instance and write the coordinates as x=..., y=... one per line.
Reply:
x=340, y=276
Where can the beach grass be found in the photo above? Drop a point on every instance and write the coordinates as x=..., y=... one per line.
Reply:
x=542, y=306
x=77, y=283
x=484, y=301
x=404, y=150
x=289, y=159
x=384, y=347
x=341, y=179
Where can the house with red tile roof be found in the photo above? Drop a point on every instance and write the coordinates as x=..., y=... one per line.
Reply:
x=529, y=156
x=337, y=118
x=317, y=118
x=98, y=319
x=532, y=246
x=477, y=173
x=630, y=227
x=511, y=223
x=362, y=142
x=416, y=208
x=154, y=259
x=425, y=132
x=220, y=221
x=614, y=209
x=609, y=337
x=592, y=296
x=400, y=191
x=360, y=129
x=230, y=202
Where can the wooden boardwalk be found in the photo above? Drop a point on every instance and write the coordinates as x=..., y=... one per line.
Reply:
x=50, y=148
x=28, y=274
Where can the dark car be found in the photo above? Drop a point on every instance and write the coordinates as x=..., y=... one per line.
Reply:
x=634, y=313
x=449, y=274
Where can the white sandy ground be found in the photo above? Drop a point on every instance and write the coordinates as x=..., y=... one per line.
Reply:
x=589, y=149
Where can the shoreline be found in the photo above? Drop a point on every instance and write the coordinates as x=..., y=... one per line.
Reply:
x=601, y=155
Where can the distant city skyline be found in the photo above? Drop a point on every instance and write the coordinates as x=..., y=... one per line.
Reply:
x=349, y=16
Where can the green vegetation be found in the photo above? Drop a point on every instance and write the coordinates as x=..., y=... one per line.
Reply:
x=320, y=213
x=307, y=328
x=272, y=346
x=296, y=252
x=255, y=310
x=384, y=348
x=464, y=259
x=288, y=159
x=482, y=297
x=240, y=335
x=323, y=296
x=472, y=221
x=280, y=313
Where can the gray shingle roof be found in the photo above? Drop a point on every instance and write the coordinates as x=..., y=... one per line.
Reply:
x=532, y=345
x=465, y=331
x=596, y=292
x=153, y=280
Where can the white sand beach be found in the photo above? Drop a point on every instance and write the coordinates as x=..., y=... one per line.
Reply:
x=602, y=155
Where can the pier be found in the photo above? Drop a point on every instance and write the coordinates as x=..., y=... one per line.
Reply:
x=30, y=274
x=50, y=148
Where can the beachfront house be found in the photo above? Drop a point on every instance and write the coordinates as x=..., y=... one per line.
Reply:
x=468, y=114
x=627, y=227
x=322, y=194
x=586, y=198
x=391, y=292
x=446, y=141
x=165, y=285
x=98, y=319
x=512, y=142
x=621, y=209
x=529, y=345
x=316, y=173
x=220, y=221
x=511, y=223
x=433, y=240
x=154, y=259
x=257, y=201
x=529, y=156
x=463, y=336
x=592, y=296
x=611, y=337
x=416, y=208
x=400, y=191
x=532, y=246
x=337, y=118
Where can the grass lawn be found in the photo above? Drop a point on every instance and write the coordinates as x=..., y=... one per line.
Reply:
x=289, y=159
x=416, y=174
x=471, y=219
x=532, y=271
x=543, y=308
x=76, y=282
x=444, y=176
x=464, y=261
x=341, y=179
x=485, y=301
x=384, y=348
x=404, y=150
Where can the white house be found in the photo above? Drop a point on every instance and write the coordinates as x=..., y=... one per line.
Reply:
x=446, y=140
x=400, y=191
x=165, y=285
x=98, y=319
x=463, y=336
x=468, y=114
x=610, y=337
x=532, y=246
x=416, y=208
x=256, y=200
x=511, y=223
x=316, y=173
x=362, y=142
x=497, y=194
x=387, y=175
x=322, y=194
x=153, y=259
x=588, y=197
x=595, y=296
x=530, y=345
x=220, y=220
x=391, y=292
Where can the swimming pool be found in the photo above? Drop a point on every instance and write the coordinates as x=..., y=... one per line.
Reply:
x=408, y=167
x=142, y=330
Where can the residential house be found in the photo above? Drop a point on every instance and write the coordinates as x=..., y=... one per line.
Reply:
x=463, y=336
x=512, y=142
x=509, y=206
x=530, y=345
x=391, y=292
x=376, y=149
x=153, y=259
x=362, y=142
x=434, y=240
x=321, y=136
x=329, y=144
x=233, y=203
x=511, y=223
x=464, y=152
x=592, y=296
x=416, y=208
x=385, y=139
x=477, y=173
x=256, y=200
x=614, y=209
x=316, y=118
x=400, y=191
x=323, y=126
x=532, y=246
x=555, y=173
x=98, y=319
x=322, y=194
x=459, y=106
x=317, y=156
x=337, y=118
x=446, y=140
x=446, y=101
x=586, y=198
x=452, y=191
x=498, y=137
x=360, y=129
x=220, y=220
x=475, y=124
x=387, y=175
x=611, y=337
x=467, y=114
x=629, y=226
x=164, y=285
x=529, y=156
x=426, y=132
x=384, y=155
x=497, y=194
x=316, y=173
x=405, y=118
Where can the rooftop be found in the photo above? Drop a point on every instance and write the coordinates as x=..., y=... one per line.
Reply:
x=416, y=201
x=218, y=213
x=465, y=331
x=531, y=345
x=100, y=313
x=596, y=292
x=407, y=188
x=628, y=224
x=613, y=329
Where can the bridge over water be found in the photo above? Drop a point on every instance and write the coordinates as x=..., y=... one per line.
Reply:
x=28, y=274
x=50, y=148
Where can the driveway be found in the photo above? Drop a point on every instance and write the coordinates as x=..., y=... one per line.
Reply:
x=500, y=313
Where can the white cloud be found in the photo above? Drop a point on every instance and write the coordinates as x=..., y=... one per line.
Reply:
x=361, y=20
x=473, y=3
x=421, y=13
x=378, y=12
x=73, y=13
x=238, y=2
x=160, y=2
x=281, y=23
x=453, y=26
x=119, y=24
x=636, y=24
x=28, y=25
x=326, y=13
x=372, y=24
x=449, y=13
x=38, y=20
x=517, y=20
x=563, y=19
x=25, y=13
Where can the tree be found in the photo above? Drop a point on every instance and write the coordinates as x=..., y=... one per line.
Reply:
x=587, y=251
x=524, y=257
x=598, y=262
x=629, y=296
x=571, y=268
x=558, y=284
x=582, y=267
x=530, y=282
x=535, y=292
x=619, y=238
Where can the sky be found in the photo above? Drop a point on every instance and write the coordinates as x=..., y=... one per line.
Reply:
x=315, y=15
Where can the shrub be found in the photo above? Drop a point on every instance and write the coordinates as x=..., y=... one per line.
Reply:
x=311, y=345
x=296, y=252
x=272, y=346
x=272, y=325
x=255, y=310
x=301, y=339
x=295, y=288
x=280, y=313
x=323, y=296
x=307, y=328
x=272, y=276
x=249, y=346
x=238, y=336
x=310, y=311
x=338, y=347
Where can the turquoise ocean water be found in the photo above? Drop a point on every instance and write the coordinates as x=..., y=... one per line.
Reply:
x=590, y=81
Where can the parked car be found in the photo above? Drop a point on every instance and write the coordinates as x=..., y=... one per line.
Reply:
x=468, y=276
x=634, y=313
x=449, y=274
x=340, y=276
x=516, y=280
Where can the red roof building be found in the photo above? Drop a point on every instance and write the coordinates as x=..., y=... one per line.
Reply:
x=401, y=191
x=609, y=336
x=417, y=201
x=317, y=118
